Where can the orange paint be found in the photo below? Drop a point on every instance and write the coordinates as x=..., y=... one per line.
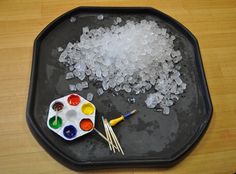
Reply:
x=86, y=124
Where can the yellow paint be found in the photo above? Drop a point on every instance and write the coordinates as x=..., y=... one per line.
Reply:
x=87, y=108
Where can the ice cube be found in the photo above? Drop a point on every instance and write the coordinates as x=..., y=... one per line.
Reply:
x=184, y=85
x=69, y=75
x=85, y=29
x=90, y=96
x=100, y=17
x=84, y=84
x=117, y=20
x=72, y=19
x=127, y=88
x=59, y=49
x=105, y=85
x=148, y=86
x=88, y=72
x=178, y=81
x=79, y=87
x=151, y=101
x=166, y=110
x=100, y=91
x=117, y=88
x=72, y=87
x=131, y=100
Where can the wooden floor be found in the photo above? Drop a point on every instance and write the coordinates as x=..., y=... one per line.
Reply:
x=212, y=21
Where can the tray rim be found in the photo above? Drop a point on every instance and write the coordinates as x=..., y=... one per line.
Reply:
x=75, y=165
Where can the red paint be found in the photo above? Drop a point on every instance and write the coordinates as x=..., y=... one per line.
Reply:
x=86, y=124
x=57, y=106
x=73, y=99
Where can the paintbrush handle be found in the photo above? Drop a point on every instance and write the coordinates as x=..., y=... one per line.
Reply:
x=115, y=121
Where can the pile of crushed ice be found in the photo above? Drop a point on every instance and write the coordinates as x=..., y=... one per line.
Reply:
x=134, y=58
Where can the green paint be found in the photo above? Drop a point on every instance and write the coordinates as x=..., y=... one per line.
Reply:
x=53, y=124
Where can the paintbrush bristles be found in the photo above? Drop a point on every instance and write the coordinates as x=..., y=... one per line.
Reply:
x=133, y=112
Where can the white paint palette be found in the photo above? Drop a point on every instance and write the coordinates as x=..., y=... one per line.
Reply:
x=71, y=116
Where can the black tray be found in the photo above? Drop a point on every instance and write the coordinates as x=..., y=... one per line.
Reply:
x=149, y=138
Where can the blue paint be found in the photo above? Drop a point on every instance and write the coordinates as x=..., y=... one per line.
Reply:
x=70, y=131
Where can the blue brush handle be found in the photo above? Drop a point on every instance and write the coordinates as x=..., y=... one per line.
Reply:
x=129, y=114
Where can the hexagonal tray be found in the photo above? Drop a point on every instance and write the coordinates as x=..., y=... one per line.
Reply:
x=66, y=116
x=148, y=138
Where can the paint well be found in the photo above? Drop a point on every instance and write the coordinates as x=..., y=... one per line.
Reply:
x=88, y=108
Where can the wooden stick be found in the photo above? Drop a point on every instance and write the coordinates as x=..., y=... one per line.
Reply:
x=114, y=137
x=108, y=136
x=55, y=121
x=99, y=133
x=111, y=137
x=120, y=148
